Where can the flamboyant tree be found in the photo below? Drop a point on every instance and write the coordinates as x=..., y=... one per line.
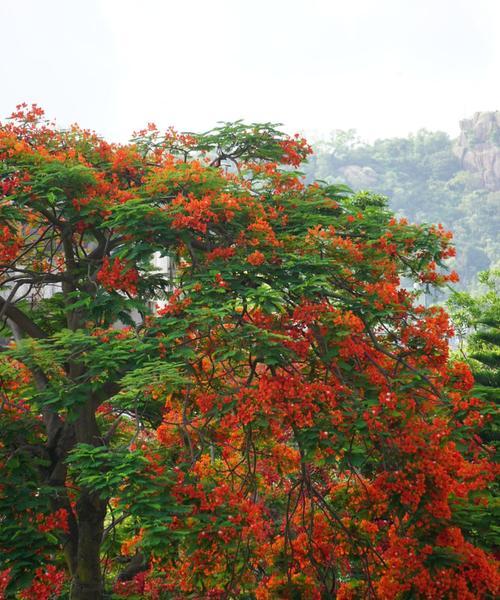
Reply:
x=275, y=416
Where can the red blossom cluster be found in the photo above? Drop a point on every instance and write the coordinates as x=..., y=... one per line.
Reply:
x=256, y=258
x=175, y=304
x=54, y=521
x=10, y=245
x=295, y=150
x=220, y=254
x=118, y=275
x=47, y=584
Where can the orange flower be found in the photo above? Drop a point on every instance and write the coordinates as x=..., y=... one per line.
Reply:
x=256, y=258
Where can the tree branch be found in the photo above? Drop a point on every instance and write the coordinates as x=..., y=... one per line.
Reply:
x=23, y=322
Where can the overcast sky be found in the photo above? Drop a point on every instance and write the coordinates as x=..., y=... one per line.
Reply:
x=384, y=67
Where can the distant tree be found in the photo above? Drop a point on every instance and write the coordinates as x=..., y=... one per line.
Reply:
x=478, y=321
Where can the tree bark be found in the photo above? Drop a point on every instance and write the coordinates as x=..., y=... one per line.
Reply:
x=87, y=583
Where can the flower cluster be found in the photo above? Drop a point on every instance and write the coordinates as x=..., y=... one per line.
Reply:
x=118, y=275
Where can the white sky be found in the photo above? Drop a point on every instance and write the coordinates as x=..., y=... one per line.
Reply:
x=384, y=67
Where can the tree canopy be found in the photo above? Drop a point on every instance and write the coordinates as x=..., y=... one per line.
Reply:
x=272, y=416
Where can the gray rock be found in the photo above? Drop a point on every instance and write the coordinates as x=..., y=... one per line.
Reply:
x=478, y=147
x=359, y=177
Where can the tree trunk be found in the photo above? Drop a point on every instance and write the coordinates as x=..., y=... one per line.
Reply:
x=87, y=583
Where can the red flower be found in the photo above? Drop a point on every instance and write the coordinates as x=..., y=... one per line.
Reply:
x=256, y=258
x=118, y=276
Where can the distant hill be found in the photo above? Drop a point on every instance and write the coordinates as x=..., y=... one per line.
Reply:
x=429, y=177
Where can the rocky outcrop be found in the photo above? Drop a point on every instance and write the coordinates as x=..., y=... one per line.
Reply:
x=359, y=177
x=478, y=147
